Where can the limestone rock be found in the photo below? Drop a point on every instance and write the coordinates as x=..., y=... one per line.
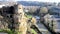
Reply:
x=20, y=19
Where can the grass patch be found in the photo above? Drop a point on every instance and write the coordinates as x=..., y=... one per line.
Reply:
x=33, y=31
x=28, y=15
x=7, y=31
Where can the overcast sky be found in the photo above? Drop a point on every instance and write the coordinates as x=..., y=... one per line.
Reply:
x=39, y=0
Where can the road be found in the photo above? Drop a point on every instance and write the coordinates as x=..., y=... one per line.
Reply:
x=44, y=30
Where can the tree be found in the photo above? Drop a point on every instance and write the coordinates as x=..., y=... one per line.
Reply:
x=43, y=10
x=54, y=22
x=47, y=18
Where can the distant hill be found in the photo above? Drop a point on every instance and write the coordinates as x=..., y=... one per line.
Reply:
x=30, y=3
x=33, y=3
x=36, y=3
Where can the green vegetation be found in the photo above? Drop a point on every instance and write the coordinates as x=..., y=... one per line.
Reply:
x=43, y=10
x=28, y=15
x=33, y=31
x=7, y=31
x=12, y=32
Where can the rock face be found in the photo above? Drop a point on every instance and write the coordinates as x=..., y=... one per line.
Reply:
x=20, y=20
x=13, y=18
x=3, y=23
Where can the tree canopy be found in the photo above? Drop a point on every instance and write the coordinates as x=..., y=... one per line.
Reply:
x=43, y=10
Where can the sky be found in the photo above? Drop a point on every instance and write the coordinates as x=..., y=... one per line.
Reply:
x=41, y=0
x=38, y=0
